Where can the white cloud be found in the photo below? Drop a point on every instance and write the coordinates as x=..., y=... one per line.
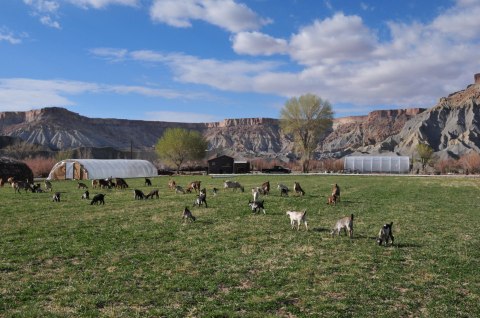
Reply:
x=332, y=40
x=10, y=37
x=25, y=93
x=182, y=117
x=100, y=4
x=48, y=10
x=226, y=14
x=111, y=54
x=256, y=43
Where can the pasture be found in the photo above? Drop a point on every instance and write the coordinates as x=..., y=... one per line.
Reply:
x=135, y=258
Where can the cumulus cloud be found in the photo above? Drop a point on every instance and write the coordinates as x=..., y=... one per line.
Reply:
x=227, y=14
x=344, y=61
x=333, y=40
x=256, y=43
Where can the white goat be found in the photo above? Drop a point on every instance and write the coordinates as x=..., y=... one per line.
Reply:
x=298, y=217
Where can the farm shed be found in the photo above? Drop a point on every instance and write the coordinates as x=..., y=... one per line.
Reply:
x=220, y=165
x=13, y=168
x=377, y=164
x=81, y=169
x=241, y=166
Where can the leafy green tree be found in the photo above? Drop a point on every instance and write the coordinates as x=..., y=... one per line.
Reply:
x=425, y=152
x=306, y=118
x=178, y=145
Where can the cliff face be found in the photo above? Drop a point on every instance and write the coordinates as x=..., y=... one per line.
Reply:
x=451, y=128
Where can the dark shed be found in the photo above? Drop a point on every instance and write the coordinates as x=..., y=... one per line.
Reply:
x=220, y=165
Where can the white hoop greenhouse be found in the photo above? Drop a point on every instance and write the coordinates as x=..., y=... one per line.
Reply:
x=377, y=164
x=80, y=169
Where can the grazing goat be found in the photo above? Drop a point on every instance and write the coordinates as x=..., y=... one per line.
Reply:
x=148, y=182
x=345, y=223
x=138, y=194
x=233, y=185
x=187, y=215
x=214, y=190
x=102, y=183
x=94, y=183
x=121, y=183
x=194, y=185
x=256, y=206
x=172, y=184
x=98, y=199
x=82, y=186
x=283, y=189
x=152, y=193
x=298, y=217
x=385, y=234
x=179, y=189
x=298, y=189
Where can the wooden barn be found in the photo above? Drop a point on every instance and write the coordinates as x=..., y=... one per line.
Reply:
x=220, y=165
x=227, y=165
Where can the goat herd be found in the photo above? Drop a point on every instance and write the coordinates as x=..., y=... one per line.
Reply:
x=256, y=205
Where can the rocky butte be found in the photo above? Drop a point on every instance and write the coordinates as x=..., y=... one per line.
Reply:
x=451, y=128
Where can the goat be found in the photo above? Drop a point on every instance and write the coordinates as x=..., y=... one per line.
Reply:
x=121, y=183
x=256, y=206
x=201, y=198
x=56, y=197
x=148, y=182
x=152, y=193
x=194, y=185
x=172, y=184
x=336, y=191
x=98, y=199
x=94, y=183
x=298, y=217
x=385, y=234
x=298, y=189
x=138, y=194
x=345, y=223
x=82, y=186
x=187, y=215
x=283, y=189
x=48, y=185
x=233, y=185
x=179, y=189
x=265, y=187
x=86, y=195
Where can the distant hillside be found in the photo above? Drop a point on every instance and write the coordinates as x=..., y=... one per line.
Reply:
x=451, y=128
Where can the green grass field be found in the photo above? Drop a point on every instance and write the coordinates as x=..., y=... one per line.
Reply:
x=137, y=259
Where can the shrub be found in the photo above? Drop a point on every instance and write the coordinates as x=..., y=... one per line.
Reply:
x=40, y=166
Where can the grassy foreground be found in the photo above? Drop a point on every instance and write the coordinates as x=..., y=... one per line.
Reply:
x=137, y=259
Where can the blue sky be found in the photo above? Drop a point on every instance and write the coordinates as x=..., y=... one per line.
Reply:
x=207, y=60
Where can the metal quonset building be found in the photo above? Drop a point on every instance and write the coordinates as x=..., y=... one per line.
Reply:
x=377, y=164
x=81, y=169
